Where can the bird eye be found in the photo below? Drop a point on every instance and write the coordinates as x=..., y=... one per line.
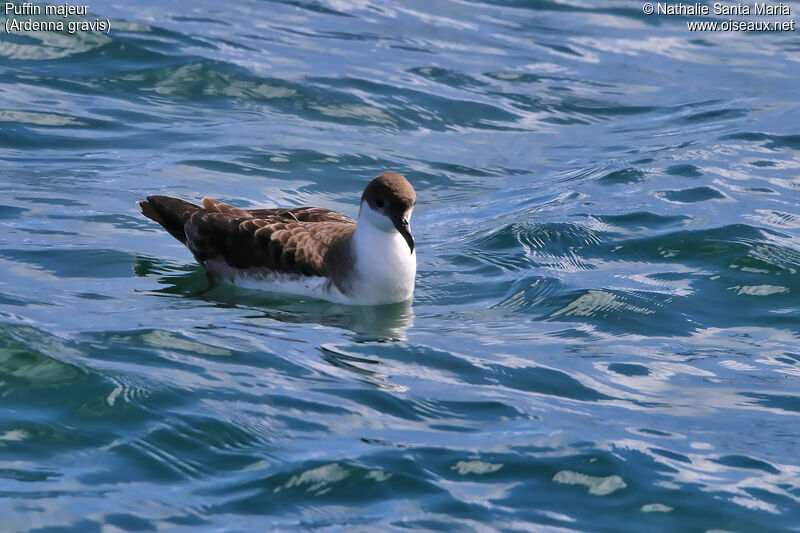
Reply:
x=379, y=203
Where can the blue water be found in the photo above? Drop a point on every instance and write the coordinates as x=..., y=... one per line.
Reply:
x=604, y=335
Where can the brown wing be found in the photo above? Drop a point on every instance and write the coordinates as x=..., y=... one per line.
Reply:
x=283, y=240
x=302, y=214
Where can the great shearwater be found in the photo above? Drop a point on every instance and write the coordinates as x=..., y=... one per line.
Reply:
x=308, y=251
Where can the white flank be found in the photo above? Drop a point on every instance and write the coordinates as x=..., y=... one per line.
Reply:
x=266, y=280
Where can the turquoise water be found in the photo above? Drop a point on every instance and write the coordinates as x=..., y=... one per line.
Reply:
x=604, y=335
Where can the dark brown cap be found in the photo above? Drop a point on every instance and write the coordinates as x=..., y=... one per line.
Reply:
x=390, y=193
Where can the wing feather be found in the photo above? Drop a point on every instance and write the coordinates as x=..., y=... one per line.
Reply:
x=302, y=214
x=294, y=241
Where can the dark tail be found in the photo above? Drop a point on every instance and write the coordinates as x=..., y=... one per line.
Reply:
x=172, y=213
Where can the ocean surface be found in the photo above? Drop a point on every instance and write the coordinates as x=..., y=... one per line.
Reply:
x=605, y=334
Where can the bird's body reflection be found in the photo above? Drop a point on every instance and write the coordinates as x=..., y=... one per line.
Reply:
x=367, y=323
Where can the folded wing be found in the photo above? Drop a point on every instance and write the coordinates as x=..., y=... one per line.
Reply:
x=294, y=241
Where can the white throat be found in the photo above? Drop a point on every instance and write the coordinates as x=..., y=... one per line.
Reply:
x=385, y=267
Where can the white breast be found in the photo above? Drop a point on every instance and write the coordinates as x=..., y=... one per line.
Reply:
x=385, y=268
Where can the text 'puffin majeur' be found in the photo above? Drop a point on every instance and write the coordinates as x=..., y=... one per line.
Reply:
x=63, y=11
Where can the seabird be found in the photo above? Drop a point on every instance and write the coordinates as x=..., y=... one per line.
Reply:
x=308, y=251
